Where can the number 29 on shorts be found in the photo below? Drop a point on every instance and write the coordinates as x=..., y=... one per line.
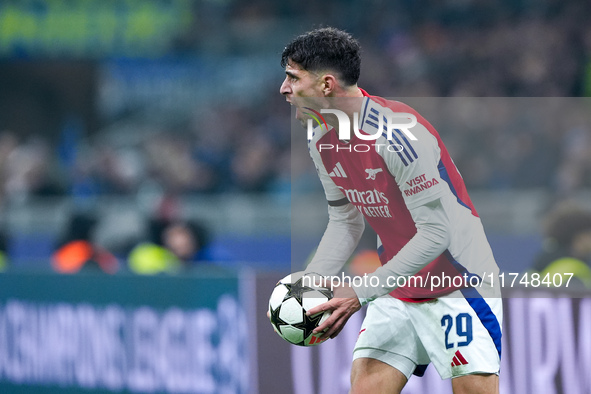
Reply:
x=463, y=327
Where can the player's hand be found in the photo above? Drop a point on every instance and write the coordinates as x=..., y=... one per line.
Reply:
x=344, y=304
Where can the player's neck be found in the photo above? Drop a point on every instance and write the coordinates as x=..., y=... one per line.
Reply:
x=348, y=100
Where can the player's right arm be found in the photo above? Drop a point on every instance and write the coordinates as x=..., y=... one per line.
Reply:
x=343, y=232
x=345, y=224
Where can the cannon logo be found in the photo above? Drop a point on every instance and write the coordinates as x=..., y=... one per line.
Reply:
x=371, y=173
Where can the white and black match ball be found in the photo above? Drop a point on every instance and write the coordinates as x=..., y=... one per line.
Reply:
x=292, y=297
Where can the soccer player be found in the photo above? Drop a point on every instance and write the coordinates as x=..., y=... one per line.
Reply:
x=406, y=186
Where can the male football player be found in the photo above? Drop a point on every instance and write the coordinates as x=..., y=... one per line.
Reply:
x=404, y=183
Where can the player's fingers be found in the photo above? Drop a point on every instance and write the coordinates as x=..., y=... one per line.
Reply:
x=328, y=305
x=328, y=322
x=338, y=312
x=269, y=314
x=338, y=319
x=336, y=328
x=326, y=325
x=341, y=324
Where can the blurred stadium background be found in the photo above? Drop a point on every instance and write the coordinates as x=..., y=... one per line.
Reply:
x=118, y=118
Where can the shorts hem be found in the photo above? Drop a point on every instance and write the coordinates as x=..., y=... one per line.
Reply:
x=470, y=373
x=403, y=364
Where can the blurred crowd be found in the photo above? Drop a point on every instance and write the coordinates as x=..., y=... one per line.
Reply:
x=230, y=150
x=566, y=249
x=421, y=49
x=169, y=246
x=511, y=79
x=238, y=154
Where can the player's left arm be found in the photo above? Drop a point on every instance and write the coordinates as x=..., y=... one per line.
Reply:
x=343, y=232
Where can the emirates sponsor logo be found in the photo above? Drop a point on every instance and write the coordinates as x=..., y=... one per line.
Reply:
x=368, y=197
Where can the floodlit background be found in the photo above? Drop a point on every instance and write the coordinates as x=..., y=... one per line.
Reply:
x=144, y=143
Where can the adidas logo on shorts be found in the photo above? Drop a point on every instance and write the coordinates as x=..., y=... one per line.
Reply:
x=458, y=360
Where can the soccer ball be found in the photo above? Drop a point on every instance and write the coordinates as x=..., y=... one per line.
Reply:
x=292, y=297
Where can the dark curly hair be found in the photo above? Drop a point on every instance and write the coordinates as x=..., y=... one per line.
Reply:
x=326, y=48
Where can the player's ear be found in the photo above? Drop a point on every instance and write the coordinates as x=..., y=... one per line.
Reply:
x=329, y=84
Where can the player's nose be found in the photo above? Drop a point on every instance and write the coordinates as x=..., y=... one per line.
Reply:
x=285, y=88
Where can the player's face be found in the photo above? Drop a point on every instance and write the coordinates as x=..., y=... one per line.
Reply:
x=301, y=88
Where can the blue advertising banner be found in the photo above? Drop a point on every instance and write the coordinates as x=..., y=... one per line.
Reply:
x=122, y=334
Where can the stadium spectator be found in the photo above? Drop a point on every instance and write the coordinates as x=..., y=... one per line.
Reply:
x=8, y=143
x=567, y=245
x=174, y=246
x=78, y=252
x=3, y=254
x=27, y=168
